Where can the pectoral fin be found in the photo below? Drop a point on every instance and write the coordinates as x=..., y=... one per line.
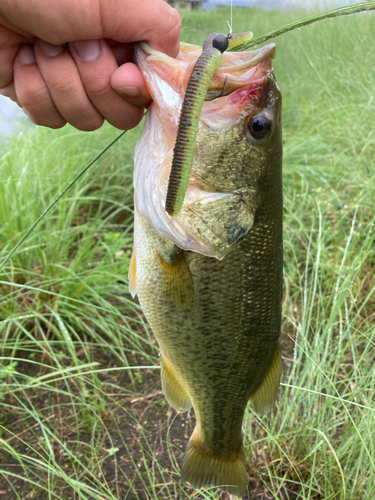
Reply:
x=176, y=282
x=219, y=220
x=229, y=216
x=265, y=396
x=132, y=276
x=174, y=392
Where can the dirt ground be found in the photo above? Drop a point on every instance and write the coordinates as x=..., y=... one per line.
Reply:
x=146, y=436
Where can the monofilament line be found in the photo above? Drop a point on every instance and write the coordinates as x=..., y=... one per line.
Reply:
x=48, y=209
x=230, y=25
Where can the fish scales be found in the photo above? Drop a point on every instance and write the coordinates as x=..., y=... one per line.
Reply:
x=216, y=314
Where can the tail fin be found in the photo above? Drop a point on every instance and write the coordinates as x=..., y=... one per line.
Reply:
x=203, y=467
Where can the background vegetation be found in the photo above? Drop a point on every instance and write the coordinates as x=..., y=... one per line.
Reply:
x=82, y=415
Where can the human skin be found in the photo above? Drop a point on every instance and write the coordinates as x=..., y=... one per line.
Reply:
x=70, y=61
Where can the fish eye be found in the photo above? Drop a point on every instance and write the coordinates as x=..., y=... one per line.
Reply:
x=259, y=126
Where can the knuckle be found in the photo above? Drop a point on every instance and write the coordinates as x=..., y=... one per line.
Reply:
x=64, y=88
x=174, y=22
x=99, y=87
x=62, y=82
x=34, y=95
x=176, y=19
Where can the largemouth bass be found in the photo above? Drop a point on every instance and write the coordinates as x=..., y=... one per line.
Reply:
x=209, y=281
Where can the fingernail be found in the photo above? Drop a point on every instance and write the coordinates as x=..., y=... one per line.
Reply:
x=88, y=50
x=132, y=91
x=26, y=56
x=51, y=50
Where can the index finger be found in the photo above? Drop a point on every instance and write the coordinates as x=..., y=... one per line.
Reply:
x=10, y=43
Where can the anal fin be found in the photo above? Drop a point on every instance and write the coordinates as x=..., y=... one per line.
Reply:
x=132, y=276
x=174, y=392
x=265, y=396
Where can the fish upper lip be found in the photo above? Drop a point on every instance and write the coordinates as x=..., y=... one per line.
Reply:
x=239, y=68
x=255, y=56
x=153, y=52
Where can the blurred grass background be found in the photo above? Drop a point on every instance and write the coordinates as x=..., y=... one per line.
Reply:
x=82, y=413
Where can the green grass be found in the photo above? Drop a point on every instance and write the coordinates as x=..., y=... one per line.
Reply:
x=82, y=414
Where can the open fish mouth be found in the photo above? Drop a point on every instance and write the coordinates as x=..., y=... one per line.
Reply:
x=215, y=216
x=238, y=70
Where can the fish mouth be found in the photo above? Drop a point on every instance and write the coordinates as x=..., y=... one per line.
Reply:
x=238, y=70
x=238, y=88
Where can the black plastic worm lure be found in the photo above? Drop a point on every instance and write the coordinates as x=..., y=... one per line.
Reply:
x=183, y=153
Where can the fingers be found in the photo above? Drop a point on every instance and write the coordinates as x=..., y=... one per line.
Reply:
x=55, y=85
x=123, y=52
x=65, y=87
x=9, y=46
x=81, y=83
x=9, y=91
x=152, y=21
x=125, y=21
x=32, y=91
x=128, y=81
x=96, y=63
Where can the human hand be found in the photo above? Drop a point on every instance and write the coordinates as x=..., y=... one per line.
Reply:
x=69, y=60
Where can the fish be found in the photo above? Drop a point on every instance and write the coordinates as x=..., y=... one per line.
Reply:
x=209, y=281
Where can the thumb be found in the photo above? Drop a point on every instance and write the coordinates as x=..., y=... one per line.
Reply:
x=152, y=21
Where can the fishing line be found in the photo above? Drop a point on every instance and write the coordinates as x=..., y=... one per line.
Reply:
x=230, y=26
x=41, y=217
x=342, y=11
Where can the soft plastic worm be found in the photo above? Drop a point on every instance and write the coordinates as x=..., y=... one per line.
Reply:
x=183, y=153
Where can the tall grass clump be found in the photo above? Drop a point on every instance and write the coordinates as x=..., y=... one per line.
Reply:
x=82, y=412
